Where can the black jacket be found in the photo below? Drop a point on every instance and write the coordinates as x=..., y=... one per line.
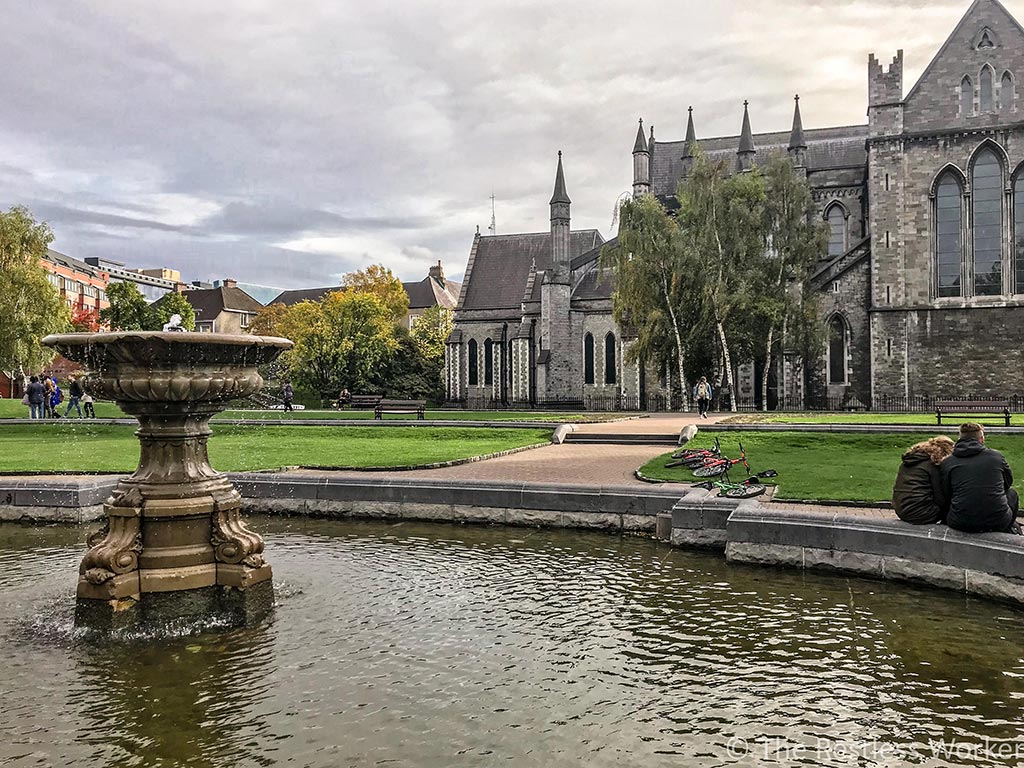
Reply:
x=918, y=496
x=975, y=479
x=75, y=390
x=36, y=392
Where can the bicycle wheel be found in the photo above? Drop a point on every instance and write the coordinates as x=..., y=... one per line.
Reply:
x=676, y=463
x=713, y=470
x=744, y=491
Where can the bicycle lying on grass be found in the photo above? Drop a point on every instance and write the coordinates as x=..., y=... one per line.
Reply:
x=719, y=467
x=695, y=457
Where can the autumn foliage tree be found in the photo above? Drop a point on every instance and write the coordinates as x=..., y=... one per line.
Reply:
x=30, y=306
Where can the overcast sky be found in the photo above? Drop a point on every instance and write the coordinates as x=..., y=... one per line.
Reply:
x=286, y=143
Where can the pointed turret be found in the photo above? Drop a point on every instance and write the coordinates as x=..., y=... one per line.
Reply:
x=690, y=145
x=559, y=195
x=641, y=143
x=560, y=224
x=745, y=153
x=797, y=142
x=642, y=162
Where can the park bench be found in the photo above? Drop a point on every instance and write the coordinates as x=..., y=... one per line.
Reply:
x=360, y=402
x=399, y=406
x=963, y=407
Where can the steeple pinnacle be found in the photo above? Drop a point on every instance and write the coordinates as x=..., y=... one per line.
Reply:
x=560, y=195
x=746, y=137
x=796, y=136
x=641, y=143
x=691, y=136
x=745, y=153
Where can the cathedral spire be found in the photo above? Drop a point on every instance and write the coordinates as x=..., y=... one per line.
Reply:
x=745, y=153
x=796, y=136
x=641, y=143
x=560, y=195
x=690, y=145
x=642, y=161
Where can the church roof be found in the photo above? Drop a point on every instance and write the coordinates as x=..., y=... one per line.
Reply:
x=503, y=262
x=840, y=147
x=596, y=284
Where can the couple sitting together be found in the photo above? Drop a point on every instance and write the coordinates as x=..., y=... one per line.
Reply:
x=964, y=485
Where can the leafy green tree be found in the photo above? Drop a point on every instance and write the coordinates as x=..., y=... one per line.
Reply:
x=377, y=279
x=128, y=310
x=30, y=306
x=172, y=304
x=658, y=285
x=722, y=222
x=425, y=364
x=796, y=238
x=345, y=340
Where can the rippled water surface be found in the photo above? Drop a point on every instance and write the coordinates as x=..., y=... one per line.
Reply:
x=420, y=645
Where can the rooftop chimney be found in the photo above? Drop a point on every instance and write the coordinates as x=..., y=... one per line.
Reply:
x=437, y=273
x=229, y=283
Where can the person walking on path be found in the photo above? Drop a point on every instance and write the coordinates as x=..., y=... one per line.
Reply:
x=50, y=386
x=918, y=496
x=90, y=412
x=287, y=394
x=36, y=393
x=702, y=394
x=56, y=398
x=979, y=485
x=74, y=397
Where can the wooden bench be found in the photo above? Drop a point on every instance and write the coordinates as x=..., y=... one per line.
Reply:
x=963, y=407
x=360, y=402
x=399, y=406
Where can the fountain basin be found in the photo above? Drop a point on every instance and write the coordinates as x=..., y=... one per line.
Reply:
x=174, y=525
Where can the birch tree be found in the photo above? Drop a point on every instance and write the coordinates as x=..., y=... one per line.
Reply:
x=656, y=288
x=721, y=219
x=796, y=238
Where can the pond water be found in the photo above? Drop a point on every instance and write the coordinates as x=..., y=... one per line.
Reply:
x=433, y=645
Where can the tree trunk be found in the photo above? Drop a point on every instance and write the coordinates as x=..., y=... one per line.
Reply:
x=684, y=400
x=767, y=368
x=729, y=381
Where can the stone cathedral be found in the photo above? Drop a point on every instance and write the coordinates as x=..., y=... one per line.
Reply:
x=922, y=279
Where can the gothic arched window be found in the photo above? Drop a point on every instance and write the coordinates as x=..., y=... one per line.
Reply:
x=949, y=250
x=836, y=351
x=836, y=218
x=488, y=363
x=588, y=359
x=1018, y=229
x=987, y=223
x=966, y=96
x=474, y=376
x=609, y=359
x=985, y=91
x=1006, y=92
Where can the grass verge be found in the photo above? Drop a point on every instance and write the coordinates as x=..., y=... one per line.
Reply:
x=922, y=419
x=13, y=409
x=825, y=467
x=73, y=446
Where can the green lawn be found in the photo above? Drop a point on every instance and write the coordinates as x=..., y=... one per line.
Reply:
x=924, y=419
x=11, y=409
x=834, y=467
x=73, y=446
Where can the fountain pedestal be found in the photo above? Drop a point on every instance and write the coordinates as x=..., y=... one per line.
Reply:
x=175, y=524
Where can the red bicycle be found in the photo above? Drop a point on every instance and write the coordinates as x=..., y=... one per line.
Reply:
x=695, y=457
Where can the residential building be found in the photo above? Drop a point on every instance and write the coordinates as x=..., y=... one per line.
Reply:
x=226, y=309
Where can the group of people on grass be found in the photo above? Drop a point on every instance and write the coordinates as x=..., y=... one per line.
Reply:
x=43, y=396
x=965, y=484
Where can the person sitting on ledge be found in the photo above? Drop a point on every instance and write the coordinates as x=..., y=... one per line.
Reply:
x=918, y=496
x=978, y=483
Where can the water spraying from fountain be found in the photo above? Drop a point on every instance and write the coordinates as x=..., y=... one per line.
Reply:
x=174, y=541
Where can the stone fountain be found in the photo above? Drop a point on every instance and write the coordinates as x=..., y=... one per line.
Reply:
x=173, y=535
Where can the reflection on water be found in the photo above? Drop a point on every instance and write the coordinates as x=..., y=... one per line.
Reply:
x=417, y=645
